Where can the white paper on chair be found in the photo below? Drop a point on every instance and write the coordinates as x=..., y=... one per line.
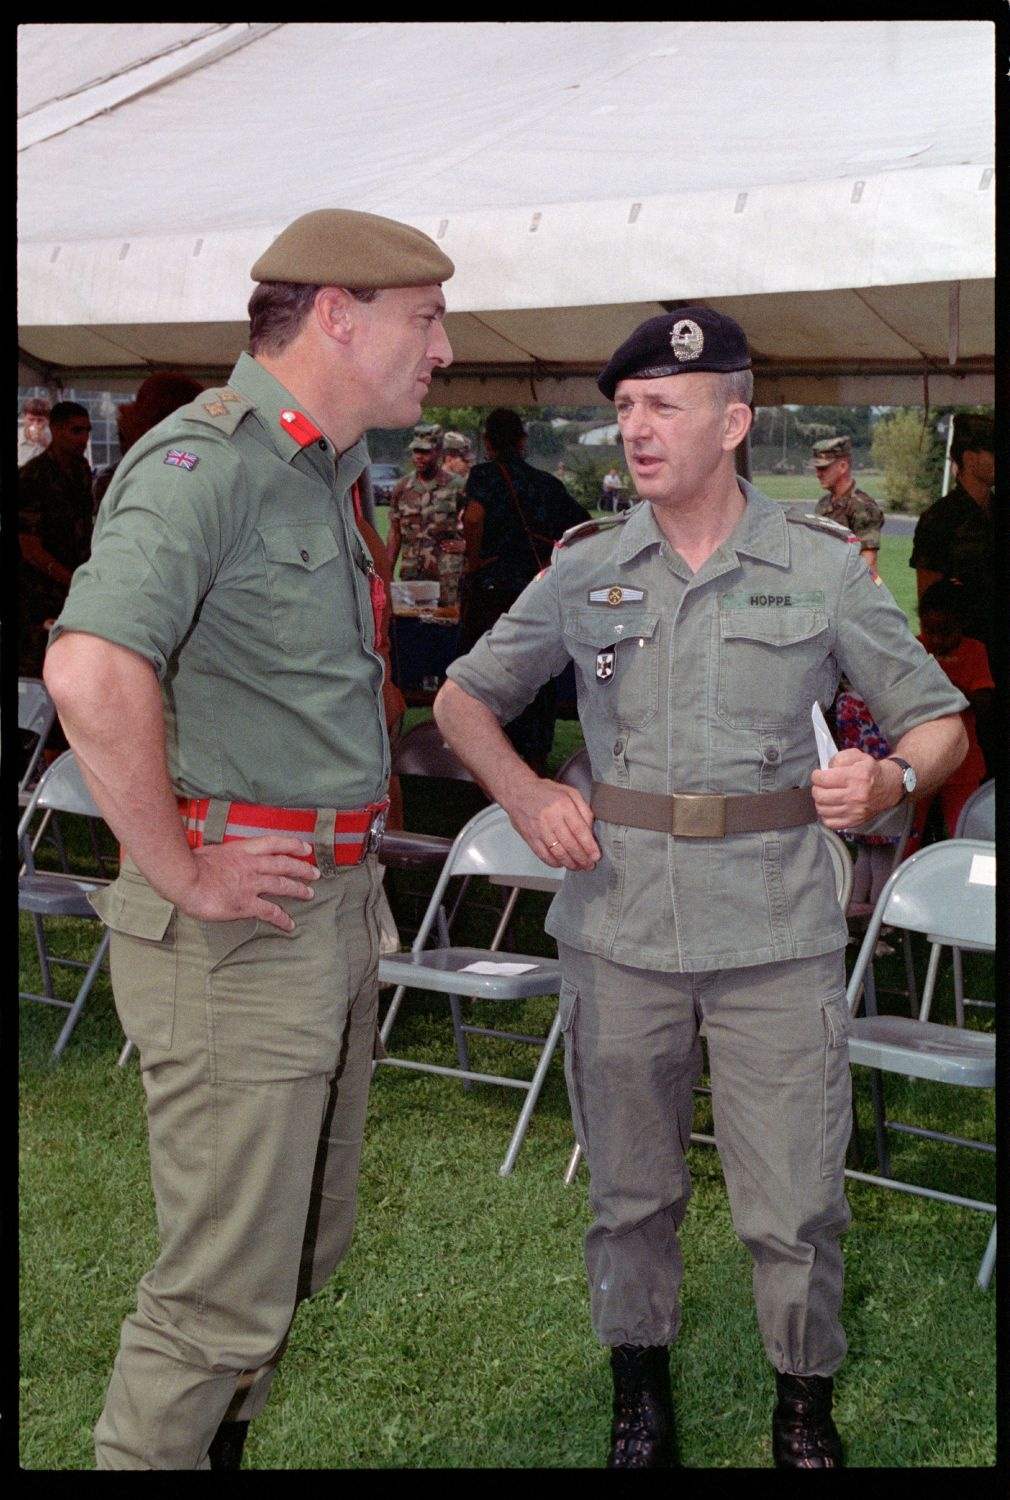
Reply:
x=983, y=870
x=485, y=966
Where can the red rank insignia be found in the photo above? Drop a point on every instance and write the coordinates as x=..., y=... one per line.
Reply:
x=301, y=429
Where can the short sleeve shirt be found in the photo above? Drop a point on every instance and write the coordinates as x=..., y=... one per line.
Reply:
x=704, y=682
x=226, y=554
x=858, y=511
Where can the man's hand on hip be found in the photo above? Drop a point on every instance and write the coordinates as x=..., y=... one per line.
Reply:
x=233, y=880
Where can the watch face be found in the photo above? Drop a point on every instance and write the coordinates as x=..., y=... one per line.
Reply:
x=909, y=779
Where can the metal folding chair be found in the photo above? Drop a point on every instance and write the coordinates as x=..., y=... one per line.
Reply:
x=423, y=752
x=488, y=846
x=946, y=892
x=36, y=715
x=977, y=820
x=44, y=894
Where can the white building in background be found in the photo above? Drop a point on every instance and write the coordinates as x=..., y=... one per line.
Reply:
x=599, y=437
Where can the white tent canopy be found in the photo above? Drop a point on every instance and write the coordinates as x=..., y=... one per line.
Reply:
x=830, y=184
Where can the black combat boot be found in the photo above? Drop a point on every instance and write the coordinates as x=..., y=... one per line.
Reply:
x=225, y=1451
x=642, y=1433
x=803, y=1433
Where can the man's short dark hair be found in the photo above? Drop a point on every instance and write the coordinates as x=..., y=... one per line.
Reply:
x=67, y=411
x=277, y=310
x=504, y=430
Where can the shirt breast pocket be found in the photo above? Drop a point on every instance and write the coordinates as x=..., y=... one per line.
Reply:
x=302, y=583
x=616, y=655
x=771, y=665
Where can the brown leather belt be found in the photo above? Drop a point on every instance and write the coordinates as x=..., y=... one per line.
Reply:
x=703, y=815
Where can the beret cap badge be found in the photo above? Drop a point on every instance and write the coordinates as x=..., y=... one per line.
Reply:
x=686, y=339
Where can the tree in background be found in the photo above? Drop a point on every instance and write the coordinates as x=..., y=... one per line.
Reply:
x=908, y=448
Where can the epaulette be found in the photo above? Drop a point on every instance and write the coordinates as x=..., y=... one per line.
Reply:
x=821, y=523
x=590, y=528
x=221, y=409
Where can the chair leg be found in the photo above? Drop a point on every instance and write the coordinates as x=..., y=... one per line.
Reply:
x=43, y=952
x=930, y=982
x=906, y=943
x=988, y=1261
x=126, y=1053
x=461, y=1047
x=958, y=987
x=532, y=1095
x=82, y=995
x=877, y=1090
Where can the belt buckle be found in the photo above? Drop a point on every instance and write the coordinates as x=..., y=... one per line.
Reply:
x=698, y=815
x=373, y=838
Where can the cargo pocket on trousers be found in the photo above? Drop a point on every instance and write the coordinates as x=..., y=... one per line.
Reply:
x=568, y=1006
x=837, y=1099
x=142, y=957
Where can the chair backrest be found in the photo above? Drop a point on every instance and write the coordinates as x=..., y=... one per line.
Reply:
x=577, y=772
x=841, y=865
x=948, y=890
x=61, y=789
x=490, y=846
x=977, y=818
x=422, y=751
x=36, y=715
x=36, y=710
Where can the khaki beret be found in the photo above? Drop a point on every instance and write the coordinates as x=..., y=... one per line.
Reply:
x=341, y=247
x=829, y=449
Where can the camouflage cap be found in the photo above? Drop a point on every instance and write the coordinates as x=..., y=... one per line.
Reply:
x=342, y=247
x=973, y=430
x=456, y=442
x=828, y=449
x=427, y=436
x=680, y=342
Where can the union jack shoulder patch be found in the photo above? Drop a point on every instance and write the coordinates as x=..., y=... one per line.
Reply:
x=180, y=460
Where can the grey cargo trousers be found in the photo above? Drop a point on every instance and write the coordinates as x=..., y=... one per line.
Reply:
x=781, y=1099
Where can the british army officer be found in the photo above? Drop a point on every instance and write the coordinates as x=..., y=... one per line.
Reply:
x=216, y=673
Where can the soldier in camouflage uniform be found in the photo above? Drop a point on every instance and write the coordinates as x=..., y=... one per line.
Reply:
x=458, y=454
x=845, y=503
x=424, y=518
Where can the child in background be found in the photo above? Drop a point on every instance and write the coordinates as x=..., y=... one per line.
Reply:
x=966, y=662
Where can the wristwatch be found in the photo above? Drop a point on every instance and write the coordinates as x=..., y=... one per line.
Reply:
x=908, y=776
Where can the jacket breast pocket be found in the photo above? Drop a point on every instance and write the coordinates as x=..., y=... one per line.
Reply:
x=302, y=583
x=616, y=654
x=771, y=664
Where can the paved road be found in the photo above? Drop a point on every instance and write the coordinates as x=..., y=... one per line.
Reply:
x=894, y=524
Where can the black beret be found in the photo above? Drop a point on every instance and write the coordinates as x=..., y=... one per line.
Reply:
x=342, y=247
x=692, y=338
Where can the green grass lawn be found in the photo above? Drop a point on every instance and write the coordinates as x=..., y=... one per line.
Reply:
x=456, y=1334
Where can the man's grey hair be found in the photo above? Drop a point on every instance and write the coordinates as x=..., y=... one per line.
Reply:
x=734, y=385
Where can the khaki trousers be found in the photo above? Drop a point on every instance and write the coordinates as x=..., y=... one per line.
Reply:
x=256, y=1049
x=781, y=1098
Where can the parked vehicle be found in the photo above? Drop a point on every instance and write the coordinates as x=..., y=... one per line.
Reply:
x=383, y=477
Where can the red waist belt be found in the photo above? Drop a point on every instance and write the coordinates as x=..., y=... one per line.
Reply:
x=355, y=833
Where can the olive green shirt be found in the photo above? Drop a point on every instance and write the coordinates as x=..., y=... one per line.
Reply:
x=226, y=554
x=704, y=682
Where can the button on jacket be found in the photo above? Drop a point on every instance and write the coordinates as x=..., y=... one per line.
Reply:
x=704, y=682
x=229, y=559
